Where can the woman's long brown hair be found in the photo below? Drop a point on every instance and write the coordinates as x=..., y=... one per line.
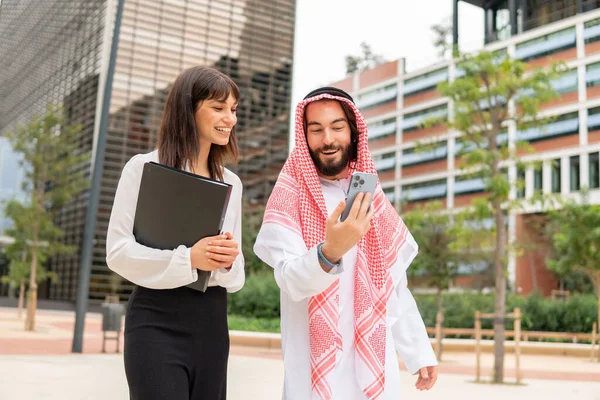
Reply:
x=178, y=138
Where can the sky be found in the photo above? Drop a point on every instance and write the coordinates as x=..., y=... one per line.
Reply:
x=328, y=30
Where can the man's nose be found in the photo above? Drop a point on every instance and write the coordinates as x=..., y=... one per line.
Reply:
x=328, y=137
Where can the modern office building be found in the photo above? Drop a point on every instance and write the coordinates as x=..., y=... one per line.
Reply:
x=58, y=52
x=395, y=103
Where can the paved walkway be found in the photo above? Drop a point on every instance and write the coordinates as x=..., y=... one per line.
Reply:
x=39, y=365
x=99, y=377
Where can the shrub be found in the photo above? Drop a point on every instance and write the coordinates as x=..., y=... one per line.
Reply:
x=259, y=298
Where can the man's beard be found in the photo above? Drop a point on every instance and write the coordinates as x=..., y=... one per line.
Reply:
x=331, y=168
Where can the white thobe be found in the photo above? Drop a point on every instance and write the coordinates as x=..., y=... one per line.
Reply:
x=300, y=276
x=164, y=269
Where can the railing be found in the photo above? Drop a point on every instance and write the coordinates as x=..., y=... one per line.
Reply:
x=377, y=97
x=525, y=335
x=385, y=163
x=382, y=130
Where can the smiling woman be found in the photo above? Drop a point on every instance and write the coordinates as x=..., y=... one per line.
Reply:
x=176, y=338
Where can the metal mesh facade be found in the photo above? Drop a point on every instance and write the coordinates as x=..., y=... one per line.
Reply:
x=250, y=40
x=50, y=53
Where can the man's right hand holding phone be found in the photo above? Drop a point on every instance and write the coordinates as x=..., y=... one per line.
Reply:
x=342, y=236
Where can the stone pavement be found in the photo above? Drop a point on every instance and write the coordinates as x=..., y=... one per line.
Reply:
x=99, y=377
x=39, y=365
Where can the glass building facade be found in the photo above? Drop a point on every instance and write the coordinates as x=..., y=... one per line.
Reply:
x=249, y=40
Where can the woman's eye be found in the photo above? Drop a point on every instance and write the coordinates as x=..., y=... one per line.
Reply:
x=218, y=108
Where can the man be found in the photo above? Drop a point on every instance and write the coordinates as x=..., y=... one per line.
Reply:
x=345, y=306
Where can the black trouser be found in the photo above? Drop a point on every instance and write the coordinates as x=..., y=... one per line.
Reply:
x=177, y=344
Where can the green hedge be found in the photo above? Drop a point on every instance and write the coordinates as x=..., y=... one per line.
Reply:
x=577, y=314
x=260, y=299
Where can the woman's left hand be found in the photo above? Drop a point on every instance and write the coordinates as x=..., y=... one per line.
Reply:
x=224, y=251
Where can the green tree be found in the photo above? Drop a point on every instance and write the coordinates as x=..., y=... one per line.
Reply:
x=446, y=241
x=364, y=61
x=442, y=40
x=496, y=94
x=51, y=158
x=576, y=241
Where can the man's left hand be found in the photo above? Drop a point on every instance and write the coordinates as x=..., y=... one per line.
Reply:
x=427, y=378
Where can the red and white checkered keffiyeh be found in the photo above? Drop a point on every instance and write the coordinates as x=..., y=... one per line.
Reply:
x=298, y=204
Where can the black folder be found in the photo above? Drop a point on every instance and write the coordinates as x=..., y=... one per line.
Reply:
x=176, y=208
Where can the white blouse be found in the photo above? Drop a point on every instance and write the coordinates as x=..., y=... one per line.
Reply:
x=164, y=269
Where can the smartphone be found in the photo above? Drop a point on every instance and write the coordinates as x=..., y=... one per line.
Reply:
x=359, y=182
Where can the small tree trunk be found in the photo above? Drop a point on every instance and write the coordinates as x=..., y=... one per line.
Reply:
x=22, y=288
x=439, y=321
x=533, y=271
x=500, y=295
x=21, y=299
x=32, y=293
x=598, y=295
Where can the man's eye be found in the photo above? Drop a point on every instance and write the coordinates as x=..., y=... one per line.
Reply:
x=338, y=128
x=315, y=131
x=234, y=110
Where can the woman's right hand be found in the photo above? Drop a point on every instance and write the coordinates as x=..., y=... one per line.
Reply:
x=214, y=252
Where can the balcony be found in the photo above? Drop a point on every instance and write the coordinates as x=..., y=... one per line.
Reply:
x=426, y=82
x=378, y=97
x=415, y=120
x=473, y=185
x=382, y=130
x=560, y=128
x=425, y=191
x=411, y=157
x=385, y=163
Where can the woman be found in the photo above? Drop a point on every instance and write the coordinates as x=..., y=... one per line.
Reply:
x=176, y=338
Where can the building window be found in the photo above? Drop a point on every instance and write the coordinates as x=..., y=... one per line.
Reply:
x=538, y=181
x=594, y=170
x=433, y=153
x=377, y=97
x=556, y=176
x=520, y=183
x=415, y=120
x=390, y=193
x=591, y=31
x=425, y=190
x=467, y=185
x=566, y=83
x=566, y=124
x=574, y=174
x=546, y=45
x=593, y=121
x=381, y=129
x=424, y=82
x=385, y=162
x=592, y=75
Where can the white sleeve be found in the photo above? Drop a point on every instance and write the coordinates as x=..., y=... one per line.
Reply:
x=410, y=335
x=297, y=269
x=233, y=279
x=144, y=266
